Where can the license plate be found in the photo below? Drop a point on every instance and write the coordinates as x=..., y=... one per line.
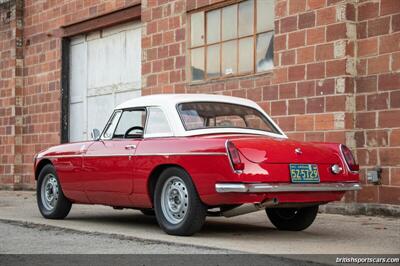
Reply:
x=304, y=173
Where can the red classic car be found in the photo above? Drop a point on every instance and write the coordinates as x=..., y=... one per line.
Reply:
x=183, y=157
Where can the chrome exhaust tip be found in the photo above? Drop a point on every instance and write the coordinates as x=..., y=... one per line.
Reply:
x=250, y=207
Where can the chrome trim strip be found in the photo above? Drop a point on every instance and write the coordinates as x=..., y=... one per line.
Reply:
x=284, y=187
x=142, y=154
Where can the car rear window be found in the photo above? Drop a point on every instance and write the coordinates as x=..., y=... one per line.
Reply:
x=203, y=115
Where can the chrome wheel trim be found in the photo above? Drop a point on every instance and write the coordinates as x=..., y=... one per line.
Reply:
x=174, y=200
x=49, y=192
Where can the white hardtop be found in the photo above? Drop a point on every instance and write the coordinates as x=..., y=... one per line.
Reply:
x=168, y=102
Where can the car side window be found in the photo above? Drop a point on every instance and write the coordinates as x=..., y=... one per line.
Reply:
x=157, y=124
x=129, y=119
x=110, y=127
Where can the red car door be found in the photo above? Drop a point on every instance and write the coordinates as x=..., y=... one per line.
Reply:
x=108, y=162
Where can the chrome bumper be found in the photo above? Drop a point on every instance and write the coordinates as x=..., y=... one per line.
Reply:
x=284, y=187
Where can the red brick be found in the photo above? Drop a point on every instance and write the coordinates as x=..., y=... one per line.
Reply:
x=296, y=73
x=389, y=155
x=307, y=20
x=367, y=157
x=315, y=35
x=324, y=52
x=389, y=43
x=305, y=55
x=315, y=136
x=280, y=42
x=389, y=81
x=378, y=64
x=368, y=10
x=396, y=23
x=296, y=107
x=280, y=75
x=324, y=122
x=315, y=4
x=336, y=68
x=389, y=195
x=297, y=6
x=377, y=138
x=390, y=7
x=336, y=32
x=254, y=94
x=377, y=101
x=368, y=194
x=360, y=103
x=297, y=39
x=367, y=47
x=278, y=108
x=378, y=26
x=270, y=93
x=286, y=123
x=306, y=89
x=361, y=30
x=325, y=87
x=304, y=122
x=287, y=90
x=389, y=119
x=315, y=105
x=288, y=57
x=366, y=84
x=288, y=24
x=335, y=103
x=365, y=120
x=395, y=138
x=395, y=99
x=280, y=9
x=326, y=16
x=316, y=71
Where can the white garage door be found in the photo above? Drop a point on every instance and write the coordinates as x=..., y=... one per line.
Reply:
x=105, y=70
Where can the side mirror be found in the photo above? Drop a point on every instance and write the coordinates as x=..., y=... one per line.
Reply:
x=95, y=134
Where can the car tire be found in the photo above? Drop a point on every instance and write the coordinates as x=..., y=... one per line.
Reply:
x=178, y=208
x=292, y=219
x=148, y=212
x=50, y=198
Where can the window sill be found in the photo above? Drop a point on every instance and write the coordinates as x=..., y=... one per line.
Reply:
x=229, y=78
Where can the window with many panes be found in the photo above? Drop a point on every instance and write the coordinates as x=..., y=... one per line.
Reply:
x=232, y=40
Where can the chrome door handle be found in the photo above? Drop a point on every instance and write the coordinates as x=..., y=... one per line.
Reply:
x=130, y=147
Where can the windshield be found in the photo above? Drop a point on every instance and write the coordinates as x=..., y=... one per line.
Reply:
x=202, y=115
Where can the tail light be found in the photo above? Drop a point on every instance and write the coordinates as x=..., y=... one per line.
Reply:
x=349, y=158
x=234, y=156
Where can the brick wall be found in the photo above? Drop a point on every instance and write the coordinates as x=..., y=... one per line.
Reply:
x=336, y=77
x=378, y=96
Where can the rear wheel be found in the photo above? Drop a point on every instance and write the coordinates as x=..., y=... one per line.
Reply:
x=292, y=219
x=177, y=205
x=50, y=198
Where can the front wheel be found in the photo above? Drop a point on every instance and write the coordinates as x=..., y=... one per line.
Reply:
x=292, y=219
x=50, y=198
x=177, y=205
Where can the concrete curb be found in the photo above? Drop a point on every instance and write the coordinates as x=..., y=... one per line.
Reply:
x=369, y=209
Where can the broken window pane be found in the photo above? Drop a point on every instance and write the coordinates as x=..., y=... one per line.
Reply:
x=197, y=64
x=265, y=51
x=246, y=18
x=213, y=61
x=214, y=26
x=229, y=22
x=246, y=57
x=229, y=57
x=265, y=15
x=197, y=29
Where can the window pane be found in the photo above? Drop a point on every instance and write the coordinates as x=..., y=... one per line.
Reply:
x=229, y=22
x=157, y=123
x=265, y=51
x=229, y=57
x=246, y=58
x=130, y=119
x=197, y=29
x=214, y=26
x=112, y=124
x=246, y=18
x=265, y=15
x=213, y=61
x=197, y=66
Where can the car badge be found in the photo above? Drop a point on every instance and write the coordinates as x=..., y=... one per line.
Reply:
x=298, y=151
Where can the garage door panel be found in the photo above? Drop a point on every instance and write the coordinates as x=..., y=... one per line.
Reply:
x=105, y=70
